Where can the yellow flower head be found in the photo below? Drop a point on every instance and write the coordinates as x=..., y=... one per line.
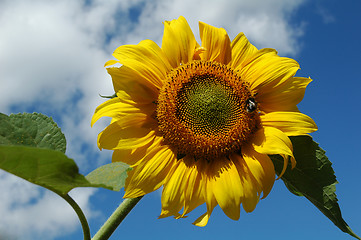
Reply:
x=201, y=120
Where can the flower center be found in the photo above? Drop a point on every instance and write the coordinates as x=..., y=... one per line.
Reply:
x=206, y=110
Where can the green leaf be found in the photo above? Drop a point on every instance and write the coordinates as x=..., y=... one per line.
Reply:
x=112, y=175
x=31, y=129
x=32, y=147
x=45, y=167
x=313, y=177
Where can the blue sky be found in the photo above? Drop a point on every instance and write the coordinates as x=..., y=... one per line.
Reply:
x=52, y=55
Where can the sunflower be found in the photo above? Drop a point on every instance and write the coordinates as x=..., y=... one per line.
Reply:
x=201, y=120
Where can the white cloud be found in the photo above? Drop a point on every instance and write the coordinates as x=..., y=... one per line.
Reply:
x=29, y=212
x=52, y=55
x=265, y=23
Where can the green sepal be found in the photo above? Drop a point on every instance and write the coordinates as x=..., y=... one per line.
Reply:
x=112, y=96
x=313, y=178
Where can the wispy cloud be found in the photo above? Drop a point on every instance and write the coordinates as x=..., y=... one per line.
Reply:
x=29, y=212
x=266, y=23
x=52, y=55
x=326, y=16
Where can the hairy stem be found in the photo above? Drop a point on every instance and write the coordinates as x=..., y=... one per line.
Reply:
x=116, y=218
x=81, y=216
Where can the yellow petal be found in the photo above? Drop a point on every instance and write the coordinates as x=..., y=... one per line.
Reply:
x=122, y=155
x=291, y=123
x=270, y=140
x=202, y=220
x=242, y=49
x=146, y=59
x=133, y=156
x=178, y=42
x=261, y=167
x=211, y=203
x=110, y=62
x=216, y=43
x=265, y=70
x=117, y=136
x=116, y=108
x=174, y=188
x=183, y=188
x=140, y=90
x=250, y=189
x=150, y=173
x=194, y=195
x=227, y=187
x=285, y=97
x=107, y=109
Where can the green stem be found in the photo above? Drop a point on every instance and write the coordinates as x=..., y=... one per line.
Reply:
x=81, y=216
x=116, y=218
